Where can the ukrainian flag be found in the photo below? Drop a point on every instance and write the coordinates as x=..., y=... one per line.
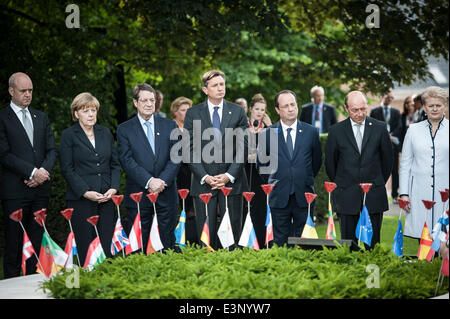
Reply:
x=309, y=231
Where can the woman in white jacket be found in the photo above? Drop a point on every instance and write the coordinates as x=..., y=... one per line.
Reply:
x=424, y=165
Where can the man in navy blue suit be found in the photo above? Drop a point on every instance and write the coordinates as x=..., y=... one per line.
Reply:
x=299, y=160
x=144, y=152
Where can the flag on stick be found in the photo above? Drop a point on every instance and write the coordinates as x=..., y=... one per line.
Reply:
x=331, y=231
x=154, y=240
x=120, y=239
x=309, y=231
x=267, y=189
x=425, y=243
x=204, y=237
x=67, y=213
x=397, y=246
x=95, y=254
x=135, y=236
x=248, y=236
x=70, y=250
x=225, y=232
x=364, y=230
x=27, y=251
x=438, y=235
x=180, y=231
x=52, y=258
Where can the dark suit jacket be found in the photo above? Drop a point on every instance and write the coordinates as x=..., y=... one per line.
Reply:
x=347, y=168
x=140, y=163
x=300, y=171
x=18, y=157
x=233, y=116
x=395, y=122
x=86, y=168
x=329, y=115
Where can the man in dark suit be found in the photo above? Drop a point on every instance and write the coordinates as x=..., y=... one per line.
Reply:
x=211, y=126
x=299, y=156
x=27, y=156
x=392, y=117
x=318, y=113
x=144, y=152
x=358, y=150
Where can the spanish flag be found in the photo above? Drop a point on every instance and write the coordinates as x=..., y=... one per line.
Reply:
x=425, y=243
x=309, y=231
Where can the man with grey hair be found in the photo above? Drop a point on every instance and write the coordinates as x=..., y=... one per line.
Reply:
x=27, y=157
x=359, y=150
x=318, y=113
x=242, y=102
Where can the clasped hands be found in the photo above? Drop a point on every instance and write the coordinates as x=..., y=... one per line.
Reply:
x=156, y=185
x=217, y=181
x=40, y=176
x=98, y=197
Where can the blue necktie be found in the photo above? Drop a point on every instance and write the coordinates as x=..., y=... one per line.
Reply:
x=150, y=136
x=216, y=122
x=289, y=142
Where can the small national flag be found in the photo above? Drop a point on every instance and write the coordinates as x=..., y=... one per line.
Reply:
x=205, y=235
x=438, y=235
x=135, y=236
x=309, y=231
x=27, y=251
x=331, y=231
x=95, y=254
x=70, y=250
x=154, y=240
x=444, y=269
x=248, y=236
x=225, y=233
x=51, y=256
x=180, y=231
x=120, y=239
x=397, y=246
x=269, y=226
x=425, y=243
x=364, y=230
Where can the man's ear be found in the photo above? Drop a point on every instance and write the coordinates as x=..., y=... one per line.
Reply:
x=205, y=90
x=11, y=91
x=135, y=103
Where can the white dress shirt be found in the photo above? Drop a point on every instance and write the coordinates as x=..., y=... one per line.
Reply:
x=144, y=127
x=355, y=127
x=284, y=127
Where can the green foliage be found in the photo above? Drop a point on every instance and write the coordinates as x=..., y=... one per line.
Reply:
x=275, y=273
x=321, y=201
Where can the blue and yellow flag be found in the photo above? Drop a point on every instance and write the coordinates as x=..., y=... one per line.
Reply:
x=309, y=231
x=180, y=231
x=364, y=230
x=397, y=246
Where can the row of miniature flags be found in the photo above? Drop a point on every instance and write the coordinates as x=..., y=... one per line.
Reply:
x=52, y=257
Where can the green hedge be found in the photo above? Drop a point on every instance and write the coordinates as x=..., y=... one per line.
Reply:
x=275, y=273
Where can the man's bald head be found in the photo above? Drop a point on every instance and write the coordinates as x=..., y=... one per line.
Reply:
x=356, y=105
x=20, y=89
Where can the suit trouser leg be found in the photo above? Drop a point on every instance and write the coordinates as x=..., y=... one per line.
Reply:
x=395, y=176
x=14, y=235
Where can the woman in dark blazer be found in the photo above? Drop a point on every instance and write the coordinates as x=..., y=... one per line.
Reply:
x=90, y=165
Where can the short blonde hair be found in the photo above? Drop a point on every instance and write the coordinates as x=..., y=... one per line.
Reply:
x=211, y=74
x=177, y=103
x=435, y=92
x=82, y=101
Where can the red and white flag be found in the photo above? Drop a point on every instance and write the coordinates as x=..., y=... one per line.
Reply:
x=154, y=240
x=135, y=236
x=70, y=250
x=27, y=251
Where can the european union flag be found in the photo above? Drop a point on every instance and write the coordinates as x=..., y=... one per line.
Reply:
x=180, y=231
x=397, y=246
x=364, y=230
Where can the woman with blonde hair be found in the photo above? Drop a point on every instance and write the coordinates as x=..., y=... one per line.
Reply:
x=424, y=166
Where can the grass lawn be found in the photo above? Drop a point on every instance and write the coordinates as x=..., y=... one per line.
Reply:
x=388, y=229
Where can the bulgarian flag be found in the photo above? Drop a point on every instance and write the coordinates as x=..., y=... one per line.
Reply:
x=52, y=258
x=331, y=231
x=95, y=254
x=27, y=251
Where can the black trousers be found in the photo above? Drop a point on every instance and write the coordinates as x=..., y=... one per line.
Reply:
x=216, y=210
x=288, y=221
x=12, y=260
x=167, y=222
x=348, y=225
x=84, y=232
x=395, y=176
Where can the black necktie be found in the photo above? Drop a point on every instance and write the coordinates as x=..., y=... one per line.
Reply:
x=289, y=142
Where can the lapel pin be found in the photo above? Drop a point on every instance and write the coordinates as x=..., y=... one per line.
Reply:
x=300, y=131
x=34, y=115
x=370, y=123
x=157, y=133
x=229, y=112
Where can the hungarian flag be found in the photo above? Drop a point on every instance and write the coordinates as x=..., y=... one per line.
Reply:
x=248, y=236
x=70, y=250
x=205, y=235
x=309, y=231
x=225, y=233
x=120, y=239
x=95, y=254
x=331, y=231
x=269, y=226
x=425, y=243
x=135, y=236
x=154, y=240
x=180, y=231
x=27, y=251
x=51, y=257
